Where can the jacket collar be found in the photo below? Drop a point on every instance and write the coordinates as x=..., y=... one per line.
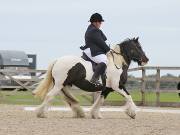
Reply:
x=91, y=25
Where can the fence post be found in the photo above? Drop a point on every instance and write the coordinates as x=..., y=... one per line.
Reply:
x=157, y=87
x=143, y=86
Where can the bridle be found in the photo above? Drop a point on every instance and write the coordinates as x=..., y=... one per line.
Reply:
x=122, y=54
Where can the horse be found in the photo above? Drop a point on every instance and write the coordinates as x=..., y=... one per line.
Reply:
x=68, y=72
x=178, y=88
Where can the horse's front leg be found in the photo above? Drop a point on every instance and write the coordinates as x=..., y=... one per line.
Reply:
x=95, y=110
x=130, y=107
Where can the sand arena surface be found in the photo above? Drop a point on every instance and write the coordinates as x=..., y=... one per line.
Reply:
x=14, y=120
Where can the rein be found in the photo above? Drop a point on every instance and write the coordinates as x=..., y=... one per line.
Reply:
x=115, y=52
x=112, y=51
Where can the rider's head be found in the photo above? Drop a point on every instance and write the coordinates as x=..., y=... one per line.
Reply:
x=96, y=19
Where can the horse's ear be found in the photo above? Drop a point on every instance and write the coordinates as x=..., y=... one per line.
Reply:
x=137, y=39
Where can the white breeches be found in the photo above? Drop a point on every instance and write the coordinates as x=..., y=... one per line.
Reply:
x=97, y=59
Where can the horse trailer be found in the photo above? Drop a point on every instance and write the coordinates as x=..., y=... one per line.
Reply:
x=11, y=60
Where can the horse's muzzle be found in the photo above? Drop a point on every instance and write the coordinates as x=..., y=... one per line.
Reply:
x=144, y=60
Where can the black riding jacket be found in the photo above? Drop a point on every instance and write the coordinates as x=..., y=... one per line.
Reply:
x=95, y=40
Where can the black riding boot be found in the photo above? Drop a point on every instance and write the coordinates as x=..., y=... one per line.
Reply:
x=99, y=70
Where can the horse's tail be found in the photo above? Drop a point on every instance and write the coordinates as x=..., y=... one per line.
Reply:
x=45, y=84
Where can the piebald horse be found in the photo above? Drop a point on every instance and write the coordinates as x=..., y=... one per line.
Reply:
x=69, y=71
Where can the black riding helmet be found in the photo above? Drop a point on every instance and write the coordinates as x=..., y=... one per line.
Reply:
x=96, y=17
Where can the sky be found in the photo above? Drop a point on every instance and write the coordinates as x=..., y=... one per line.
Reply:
x=54, y=28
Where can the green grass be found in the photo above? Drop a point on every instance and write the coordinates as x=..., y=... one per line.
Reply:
x=149, y=97
x=26, y=98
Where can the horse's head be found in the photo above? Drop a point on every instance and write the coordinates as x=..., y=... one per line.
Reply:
x=132, y=50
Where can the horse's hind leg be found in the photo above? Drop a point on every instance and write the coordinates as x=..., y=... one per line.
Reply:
x=73, y=103
x=44, y=106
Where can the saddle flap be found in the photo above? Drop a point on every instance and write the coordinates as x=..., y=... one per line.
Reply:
x=86, y=58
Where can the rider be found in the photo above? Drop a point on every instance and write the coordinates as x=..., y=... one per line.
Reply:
x=96, y=47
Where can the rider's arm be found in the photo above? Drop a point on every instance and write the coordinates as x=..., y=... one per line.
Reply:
x=97, y=38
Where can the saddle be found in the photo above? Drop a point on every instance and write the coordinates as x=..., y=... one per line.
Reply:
x=86, y=58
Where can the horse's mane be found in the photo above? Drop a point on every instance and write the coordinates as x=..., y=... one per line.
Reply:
x=119, y=49
x=126, y=41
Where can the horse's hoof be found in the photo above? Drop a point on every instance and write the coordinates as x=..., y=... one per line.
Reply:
x=81, y=115
x=133, y=116
x=41, y=116
x=40, y=112
x=96, y=116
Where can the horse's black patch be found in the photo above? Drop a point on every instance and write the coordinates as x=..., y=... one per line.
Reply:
x=178, y=87
x=77, y=75
x=123, y=76
x=77, y=72
x=123, y=79
x=125, y=90
x=106, y=91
